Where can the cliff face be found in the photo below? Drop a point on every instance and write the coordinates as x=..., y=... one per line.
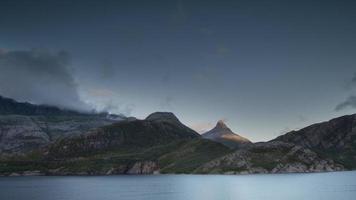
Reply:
x=21, y=134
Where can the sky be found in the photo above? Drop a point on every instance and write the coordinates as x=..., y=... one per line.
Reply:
x=264, y=67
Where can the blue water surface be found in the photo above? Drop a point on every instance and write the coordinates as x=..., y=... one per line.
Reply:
x=314, y=186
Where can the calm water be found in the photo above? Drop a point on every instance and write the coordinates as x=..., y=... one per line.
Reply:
x=324, y=186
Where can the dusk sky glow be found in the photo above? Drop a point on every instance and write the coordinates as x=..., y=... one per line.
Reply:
x=265, y=67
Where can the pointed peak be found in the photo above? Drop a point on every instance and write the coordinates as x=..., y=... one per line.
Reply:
x=221, y=124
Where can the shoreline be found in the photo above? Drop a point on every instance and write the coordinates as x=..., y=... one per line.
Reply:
x=39, y=174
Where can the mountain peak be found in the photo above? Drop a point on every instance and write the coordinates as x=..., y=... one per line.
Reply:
x=221, y=125
x=162, y=116
x=223, y=134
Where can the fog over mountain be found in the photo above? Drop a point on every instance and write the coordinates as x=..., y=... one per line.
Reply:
x=41, y=77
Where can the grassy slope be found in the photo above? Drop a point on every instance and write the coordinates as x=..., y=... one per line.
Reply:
x=182, y=156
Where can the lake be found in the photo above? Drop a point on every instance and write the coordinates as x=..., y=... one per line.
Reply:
x=317, y=186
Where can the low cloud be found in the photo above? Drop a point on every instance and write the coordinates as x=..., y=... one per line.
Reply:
x=111, y=107
x=106, y=100
x=40, y=77
x=350, y=102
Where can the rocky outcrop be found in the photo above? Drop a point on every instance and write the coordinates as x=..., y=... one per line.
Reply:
x=223, y=134
x=135, y=168
x=270, y=157
x=144, y=167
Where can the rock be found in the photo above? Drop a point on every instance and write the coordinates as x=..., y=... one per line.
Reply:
x=33, y=173
x=145, y=167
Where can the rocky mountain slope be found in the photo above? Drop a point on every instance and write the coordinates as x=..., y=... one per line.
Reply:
x=270, y=157
x=156, y=129
x=223, y=134
x=326, y=146
x=20, y=134
x=25, y=127
x=335, y=139
x=181, y=156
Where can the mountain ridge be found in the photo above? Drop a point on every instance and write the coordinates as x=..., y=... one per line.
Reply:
x=71, y=144
x=335, y=138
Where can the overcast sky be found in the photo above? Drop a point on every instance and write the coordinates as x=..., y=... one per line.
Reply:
x=265, y=67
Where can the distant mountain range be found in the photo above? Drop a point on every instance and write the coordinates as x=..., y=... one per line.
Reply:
x=45, y=140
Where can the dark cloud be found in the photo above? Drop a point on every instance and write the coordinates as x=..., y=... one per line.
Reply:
x=350, y=102
x=40, y=77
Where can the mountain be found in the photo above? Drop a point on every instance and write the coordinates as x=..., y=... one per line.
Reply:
x=335, y=139
x=157, y=129
x=159, y=143
x=33, y=143
x=326, y=146
x=223, y=134
x=25, y=127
